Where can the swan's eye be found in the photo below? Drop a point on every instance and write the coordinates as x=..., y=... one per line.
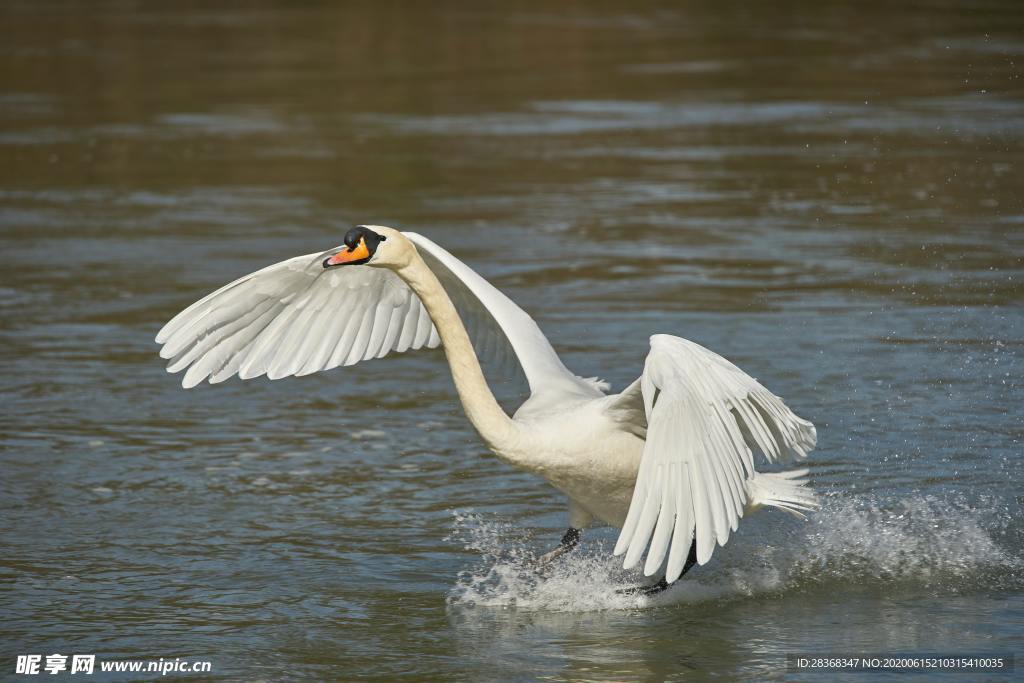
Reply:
x=359, y=232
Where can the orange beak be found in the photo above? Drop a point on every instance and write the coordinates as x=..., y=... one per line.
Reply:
x=347, y=255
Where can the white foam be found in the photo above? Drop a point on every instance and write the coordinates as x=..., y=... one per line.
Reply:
x=924, y=542
x=924, y=539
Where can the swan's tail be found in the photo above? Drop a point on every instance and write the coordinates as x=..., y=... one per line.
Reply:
x=787, y=491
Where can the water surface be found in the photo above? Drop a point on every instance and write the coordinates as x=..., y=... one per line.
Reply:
x=828, y=195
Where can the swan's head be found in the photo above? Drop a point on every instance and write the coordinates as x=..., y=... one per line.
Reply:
x=372, y=245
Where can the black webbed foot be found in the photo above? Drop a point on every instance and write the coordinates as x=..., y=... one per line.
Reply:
x=653, y=589
x=663, y=585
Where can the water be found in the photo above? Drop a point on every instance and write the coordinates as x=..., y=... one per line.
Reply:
x=828, y=195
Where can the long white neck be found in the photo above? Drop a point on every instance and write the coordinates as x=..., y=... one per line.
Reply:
x=482, y=409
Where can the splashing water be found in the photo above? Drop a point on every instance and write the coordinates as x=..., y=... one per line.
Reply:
x=587, y=579
x=923, y=542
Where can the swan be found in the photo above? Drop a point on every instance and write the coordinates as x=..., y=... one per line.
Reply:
x=669, y=460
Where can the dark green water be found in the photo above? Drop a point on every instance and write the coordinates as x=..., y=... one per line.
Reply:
x=828, y=195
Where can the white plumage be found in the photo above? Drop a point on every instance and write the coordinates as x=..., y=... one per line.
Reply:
x=703, y=415
x=295, y=318
x=670, y=459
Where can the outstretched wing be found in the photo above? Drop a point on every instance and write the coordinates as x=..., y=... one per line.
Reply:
x=295, y=318
x=501, y=331
x=703, y=418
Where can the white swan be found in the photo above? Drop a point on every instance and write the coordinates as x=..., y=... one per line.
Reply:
x=668, y=460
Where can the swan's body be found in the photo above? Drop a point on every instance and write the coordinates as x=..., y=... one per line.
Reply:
x=668, y=459
x=575, y=445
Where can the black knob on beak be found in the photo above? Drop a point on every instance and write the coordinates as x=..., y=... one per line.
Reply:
x=353, y=236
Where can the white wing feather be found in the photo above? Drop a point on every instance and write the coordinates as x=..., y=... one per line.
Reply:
x=502, y=332
x=703, y=417
x=296, y=318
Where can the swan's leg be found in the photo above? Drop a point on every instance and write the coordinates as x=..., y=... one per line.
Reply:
x=570, y=540
x=579, y=519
